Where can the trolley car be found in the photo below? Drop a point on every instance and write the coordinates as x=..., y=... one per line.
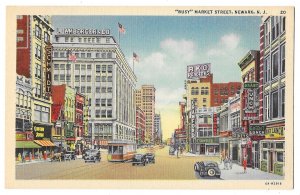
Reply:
x=121, y=151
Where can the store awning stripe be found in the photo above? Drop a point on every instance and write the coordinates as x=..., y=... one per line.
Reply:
x=44, y=142
x=26, y=144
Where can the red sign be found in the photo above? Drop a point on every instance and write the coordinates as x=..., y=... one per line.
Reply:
x=215, y=124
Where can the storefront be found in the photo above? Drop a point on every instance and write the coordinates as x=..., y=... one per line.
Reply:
x=207, y=146
x=42, y=137
x=26, y=146
x=235, y=150
x=224, y=143
x=256, y=133
x=273, y=150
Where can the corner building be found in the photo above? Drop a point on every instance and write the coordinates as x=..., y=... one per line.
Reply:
x=101, y=73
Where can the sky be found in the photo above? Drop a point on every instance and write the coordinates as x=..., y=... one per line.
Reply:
x=167, y=44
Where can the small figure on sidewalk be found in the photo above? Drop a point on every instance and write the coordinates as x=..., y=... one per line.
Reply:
x=40, y=155
x=45, y=155
x=19, y=157
x=245, y=164
x=23, y=157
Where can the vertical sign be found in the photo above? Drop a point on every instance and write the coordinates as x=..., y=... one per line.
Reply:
x=48, y=49
x=252, y=104
x=193, y=116
x=215, y=124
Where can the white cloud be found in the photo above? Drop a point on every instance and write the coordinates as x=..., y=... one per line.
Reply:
x=227, y=44
x=184, y=49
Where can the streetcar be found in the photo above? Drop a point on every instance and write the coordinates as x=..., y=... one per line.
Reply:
x=121, y=151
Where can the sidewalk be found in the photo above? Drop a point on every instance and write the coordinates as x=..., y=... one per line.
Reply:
x=237, y=173
x=32, y=162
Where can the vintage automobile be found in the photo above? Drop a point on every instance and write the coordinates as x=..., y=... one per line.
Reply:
x=150, y=158
x=71, y=154
x=92, y=155
x=139, y=159
x=207, y=168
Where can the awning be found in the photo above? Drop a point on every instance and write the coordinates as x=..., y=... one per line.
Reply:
x=44, y=142
x=26, y=144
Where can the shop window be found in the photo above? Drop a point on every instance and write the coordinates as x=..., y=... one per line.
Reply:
x=280, y=145
x=265, y=145
x=265, y=155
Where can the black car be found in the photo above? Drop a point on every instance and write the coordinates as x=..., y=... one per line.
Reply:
x=71, y=155
x=92, y=155
x=207, y=168
x=150, y=158
x=139, y=159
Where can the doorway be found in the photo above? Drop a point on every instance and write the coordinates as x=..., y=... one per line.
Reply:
x=271, y=162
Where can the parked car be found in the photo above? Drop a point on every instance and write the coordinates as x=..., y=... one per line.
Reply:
x=171, y=151
x=150, y=158
x=139, y=159
x=207, y=168
x=72, y=155
x=92, y=155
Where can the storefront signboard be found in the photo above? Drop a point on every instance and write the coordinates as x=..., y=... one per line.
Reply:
x=275, y=132
x=207, y=140
x=257, y=130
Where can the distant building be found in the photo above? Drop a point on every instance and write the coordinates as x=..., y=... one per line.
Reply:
x=140, y=126
x=157, y=129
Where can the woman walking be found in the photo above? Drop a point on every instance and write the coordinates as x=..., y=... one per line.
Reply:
x=245, y=164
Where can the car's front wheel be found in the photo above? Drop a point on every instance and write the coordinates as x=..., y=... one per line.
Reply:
x=195, y=167
x=211, y=172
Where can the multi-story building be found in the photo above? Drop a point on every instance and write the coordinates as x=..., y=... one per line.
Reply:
x=146, y=101
x=91, y=61
x=249, y=66
x=272, y=96
x=79, y=122
x=220, y=92
x=34, y=61
x=157, y=129
x=204, y=139
x=140, y=126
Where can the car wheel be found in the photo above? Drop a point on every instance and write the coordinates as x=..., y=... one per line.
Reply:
x=211, y=172
x=195, y=167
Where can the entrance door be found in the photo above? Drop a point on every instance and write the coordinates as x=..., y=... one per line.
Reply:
x=271, y=162
x=235, y=153
x=255, y=154
x=202, y=148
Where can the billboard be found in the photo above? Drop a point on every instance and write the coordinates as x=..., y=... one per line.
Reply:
x=198, y=71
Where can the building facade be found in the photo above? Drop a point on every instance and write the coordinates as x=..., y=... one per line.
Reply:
x=272, y=148
x=140, y=126
x=157, y=129
x=98, y=69
x=145, y=97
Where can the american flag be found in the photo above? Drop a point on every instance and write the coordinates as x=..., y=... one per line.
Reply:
x=72, y=57
x=121, y=28
x=136, y=57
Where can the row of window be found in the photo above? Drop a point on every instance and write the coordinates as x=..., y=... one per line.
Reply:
x=41, y=113
x=38, y=34
x=83, y=55
x=83, y=39
x=82, y=78
x=274, y=64
x=99, y=68
x=103, y=113
x=23, y=100
x=103, y=128
x=204, y=91
x=273, y=27
x=204, y=132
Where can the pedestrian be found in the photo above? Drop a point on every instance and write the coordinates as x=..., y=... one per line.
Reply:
x=23, y=157
x=245, y=164
x=226, y=163
x=221, y=158
x=177, y=152
x=230, y=161
x=30, y=156
x=45, y=155
x=40, y=155
x=19, y=157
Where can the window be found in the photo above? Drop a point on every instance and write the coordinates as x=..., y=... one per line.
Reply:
x=38, y=51
x=204, y=100
x=109, y=55
x=275, y=104
x=88, y=78
x=275, y=27
x=77, y=78
x=71, y=39
x=267, y=108
x=88, y=89
x=56, y=39
x=279, y=156
x=109, y=79
x=38, y=89
x=267, y=72
x=109, y=102
x=282, y=102
x=103, y=102
x=97, y=102
x=103, y=89
x=267, y=34
x=77, y=89
x=97, y=113
x=109, y=114
x=38, y=32
x=98, y=40
x=41, y=113
x=46, y=37
x=82, y=78
x=103, y=78
x=282, y=58
x=280, y=145
x=109, y=89
x=282, y=19
x=97, y=78
x=85, y=40
x=103, y=113
x=68, y=77
x=97, y=89
x=107, y=40
x=79, y=40
x=97, y=55
x=38, y=70
x=103, y=55
x=89, y=67
x=62, y=66
x=77, y=66
x=109, y=68
x=265, y=155
x=98, y=67
x=66, y=39
x=275, y=64
x=56, y=77
x=55, y=54
x=89, y=55
x=82, y=55
x=82, y=89
x=103, y=68
x=68, y=66
x=83, y=66
x=62, y=77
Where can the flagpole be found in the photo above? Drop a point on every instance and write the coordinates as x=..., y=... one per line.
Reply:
x=133, y=65
x=119, y=40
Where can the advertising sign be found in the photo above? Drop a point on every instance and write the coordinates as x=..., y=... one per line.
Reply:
x=207, y=140
x=238, y=132
x=193, y=115
x=275, y=132
x=257, y=130
x=198, y=71
x=48, y=56
x=251, y=103
x=215, y=124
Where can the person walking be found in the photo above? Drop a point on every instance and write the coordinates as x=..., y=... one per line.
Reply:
x=30, y=156
x=23, y=157
x=19, y=157
x=245, y=164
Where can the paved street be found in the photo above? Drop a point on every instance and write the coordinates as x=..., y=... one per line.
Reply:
x=165, y=167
